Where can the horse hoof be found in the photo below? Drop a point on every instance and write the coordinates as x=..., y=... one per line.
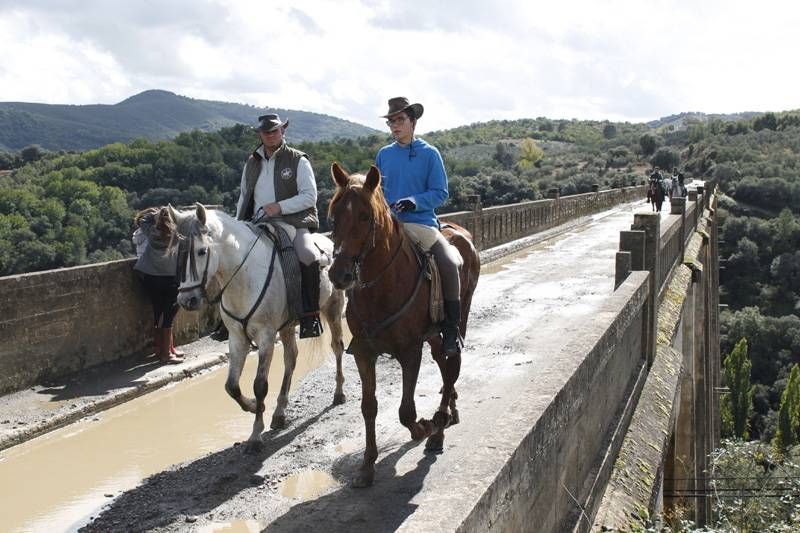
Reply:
x=339, y=399
x=441, y=419
x=253, y=447
x=454, y=417
x=363, y=480
x=278, y=422
x=435, y=443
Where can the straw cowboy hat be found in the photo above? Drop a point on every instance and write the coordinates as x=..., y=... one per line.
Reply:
x=400, y=104
x=270, y=122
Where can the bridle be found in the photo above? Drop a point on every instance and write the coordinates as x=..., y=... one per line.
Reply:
x=362, y=254
x=204, y=280
x=218, y=298
x=371, y=332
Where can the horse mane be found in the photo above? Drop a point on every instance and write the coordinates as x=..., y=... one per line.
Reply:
x=374, y=199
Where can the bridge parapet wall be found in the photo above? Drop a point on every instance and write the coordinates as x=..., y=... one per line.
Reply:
x=675, y=424
x=61, y=321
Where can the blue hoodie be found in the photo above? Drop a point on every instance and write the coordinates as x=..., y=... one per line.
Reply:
x=415, y=171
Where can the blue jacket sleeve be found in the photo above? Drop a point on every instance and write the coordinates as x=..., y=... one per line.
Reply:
x=436, y=193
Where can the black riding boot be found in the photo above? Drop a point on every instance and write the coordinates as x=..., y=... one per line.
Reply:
x=310, y=324
x=452, y=317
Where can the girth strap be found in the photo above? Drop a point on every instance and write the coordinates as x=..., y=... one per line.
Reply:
x=246, y=319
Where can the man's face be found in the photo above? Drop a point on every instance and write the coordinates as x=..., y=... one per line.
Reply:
x=402, y=127
x=271, y=139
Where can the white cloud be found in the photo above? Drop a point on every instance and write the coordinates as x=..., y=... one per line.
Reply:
x=466, y=61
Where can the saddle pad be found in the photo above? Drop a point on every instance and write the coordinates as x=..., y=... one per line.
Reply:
x=290, y=266
x=437, y=301
x=427, y=262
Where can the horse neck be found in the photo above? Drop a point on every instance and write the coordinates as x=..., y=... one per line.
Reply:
x=381, y=264
x=232, y=241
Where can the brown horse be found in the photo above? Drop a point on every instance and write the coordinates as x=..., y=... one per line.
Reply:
x=388, y=304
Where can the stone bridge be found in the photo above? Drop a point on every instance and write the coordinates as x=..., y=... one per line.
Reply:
x=629, y=425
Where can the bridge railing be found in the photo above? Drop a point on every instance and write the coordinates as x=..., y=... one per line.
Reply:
x=61, y=321
x=493, y=226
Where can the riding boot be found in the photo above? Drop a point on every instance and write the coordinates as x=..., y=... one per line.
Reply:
x=164, y=354
x=221, y=333
x=451, y=343
x=310, y=324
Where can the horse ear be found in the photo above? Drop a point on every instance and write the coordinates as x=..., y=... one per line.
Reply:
x=172, y=214
x=339, y=175
x=201, y=213
x=373, y=178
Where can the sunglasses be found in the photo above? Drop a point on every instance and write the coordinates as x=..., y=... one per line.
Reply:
x=398, y=120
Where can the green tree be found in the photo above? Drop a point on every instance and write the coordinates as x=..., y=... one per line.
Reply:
x=789, y=412
x=648, y=143
x=737, y=404
x=609, y=131
x=530, y=153
x=666, y=158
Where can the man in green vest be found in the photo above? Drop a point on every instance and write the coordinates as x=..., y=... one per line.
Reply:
x=278, y=182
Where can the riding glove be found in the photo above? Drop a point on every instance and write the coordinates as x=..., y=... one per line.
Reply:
x=405, y=204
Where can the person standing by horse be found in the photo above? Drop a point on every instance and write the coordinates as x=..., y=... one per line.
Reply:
x=157, y=266
x=414, y=184
x=278, y=181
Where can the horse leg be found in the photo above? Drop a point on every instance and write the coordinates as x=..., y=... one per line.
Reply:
x=266, y=347
x=238, y=348
x=289, y=362
x=332, y=311
x=369, y=410
x=447, y=414
x=408, y=411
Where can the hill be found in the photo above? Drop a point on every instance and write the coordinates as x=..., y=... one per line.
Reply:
x=153, y=115
x=682, y=120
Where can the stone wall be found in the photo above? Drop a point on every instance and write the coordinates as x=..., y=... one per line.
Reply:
x=61, y=321
x=675, y=424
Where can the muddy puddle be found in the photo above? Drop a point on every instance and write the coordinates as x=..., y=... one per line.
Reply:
x=307, y=485
x=58, y=481
x=237, y=526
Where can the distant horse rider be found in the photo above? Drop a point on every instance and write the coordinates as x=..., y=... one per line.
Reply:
x=278, y=181
x=414, y=184
x=659, y=190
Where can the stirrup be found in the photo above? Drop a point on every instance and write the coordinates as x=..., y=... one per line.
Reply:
x=310, y=326
x=449, y=350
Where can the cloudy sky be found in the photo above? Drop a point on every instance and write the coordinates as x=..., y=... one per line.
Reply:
x=466, y=61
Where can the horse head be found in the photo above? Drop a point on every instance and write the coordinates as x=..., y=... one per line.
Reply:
x=360, y=218
x=196, y=262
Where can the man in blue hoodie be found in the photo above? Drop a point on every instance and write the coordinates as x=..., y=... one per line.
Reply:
x=415, y=184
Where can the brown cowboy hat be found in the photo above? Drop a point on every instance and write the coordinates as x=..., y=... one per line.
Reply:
x=400, y=104
x=270, y=122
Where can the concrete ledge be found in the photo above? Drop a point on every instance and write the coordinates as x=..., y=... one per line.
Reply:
x=570, y=433
x=632, y=494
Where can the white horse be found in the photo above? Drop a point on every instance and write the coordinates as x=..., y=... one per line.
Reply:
x=253, y=303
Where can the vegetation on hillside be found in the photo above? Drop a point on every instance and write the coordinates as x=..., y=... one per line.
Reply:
x=64, y=208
